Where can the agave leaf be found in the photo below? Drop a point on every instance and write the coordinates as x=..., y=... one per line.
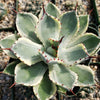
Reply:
x=54, y=43
x=84, y=22
x=46, y=89
x=51, y=51
x=51, y=9
x=26, y=23
x=49, y=59
x=45, y=56
x=7, y=43
x=30, y=75
x=61, y=89
x=70, y=24
x=90, y=41
x=62, y=76
x=48, y=28
x=1, y=50
x=93, y=30
x=10, y=68
x=27, y=51
x=85, y=75
x=73, y=54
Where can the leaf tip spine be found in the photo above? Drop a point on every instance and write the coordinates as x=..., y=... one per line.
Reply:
x=12, y=85
x=14, y=10
x=72, y=92
x=1, y=72
x=76, y=5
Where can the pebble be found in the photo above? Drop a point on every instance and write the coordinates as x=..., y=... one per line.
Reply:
x=25, y=93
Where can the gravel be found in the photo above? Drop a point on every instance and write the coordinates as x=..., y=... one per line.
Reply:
x=19, y=92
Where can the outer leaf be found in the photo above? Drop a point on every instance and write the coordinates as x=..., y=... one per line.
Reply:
x=70, y=24
x=26, y=23
x=72, y=54
x=93, y=30
x=46, y=89
x=84, y=22
x=10, y=68
x=7, y=43
x=51, y=9
x=90, y=41
x=85, y=75
x=48, y=28
x=30, y=76
x=27, y=51
x=62, y=76
x=1, y=50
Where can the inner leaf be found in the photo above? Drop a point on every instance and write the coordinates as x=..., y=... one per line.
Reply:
x=48, y=28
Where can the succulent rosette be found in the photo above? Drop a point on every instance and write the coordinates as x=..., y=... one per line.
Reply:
x=47, y=51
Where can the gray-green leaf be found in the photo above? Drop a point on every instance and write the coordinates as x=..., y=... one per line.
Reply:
x=27, y=51
x=10, y=68
x=62, y=76
x=73, y=54
x=26, y=25
x=30, y=75
x=46, y=89
x=85, y=75
x=90, y=41
x=69, y=24
x=51, y=9
x=84, y=22
x=7, y=43
x=48, y=28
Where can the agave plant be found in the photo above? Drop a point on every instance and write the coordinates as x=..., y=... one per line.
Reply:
x=47, y=51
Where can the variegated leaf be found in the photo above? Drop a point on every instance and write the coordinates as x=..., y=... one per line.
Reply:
x=51, y=9
x=46, y=89
x=48, y=28
x=62, y=76
x=85, y=75
x=7, y=43
x=30, y=75
x=27, y=51
x=26, y=26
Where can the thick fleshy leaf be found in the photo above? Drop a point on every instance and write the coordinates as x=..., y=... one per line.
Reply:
x=61, y=89
x=51, y=51
x=49, y=59
x=10, y=68
x=48, y=28
x=70, y=24
x=26, y=23
x=62, y=76
x=27, y=51
x=85, y=75
x=73, y=54
x=93, y=30
x=90, y=41
x=30, y=75
x=84, y=22
x=51, y=9
x=1, y=50
x=7, y=43
x=54, y=43
x=46, y=89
